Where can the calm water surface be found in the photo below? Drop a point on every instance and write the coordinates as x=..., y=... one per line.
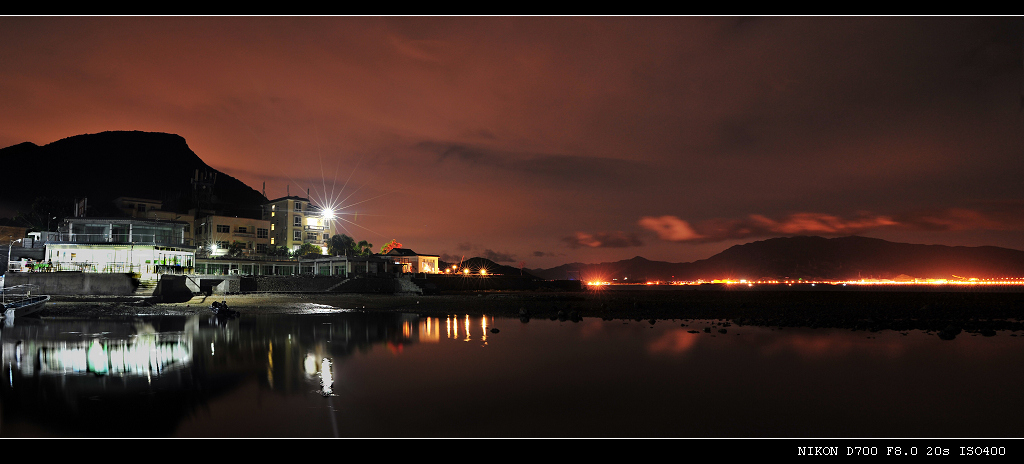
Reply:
x=329, y=373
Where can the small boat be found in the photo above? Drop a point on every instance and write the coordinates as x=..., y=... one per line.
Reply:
x=25, y=306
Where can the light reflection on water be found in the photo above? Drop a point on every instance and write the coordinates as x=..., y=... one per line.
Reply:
x=353, y=374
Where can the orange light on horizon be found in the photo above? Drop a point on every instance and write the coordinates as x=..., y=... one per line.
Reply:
x=959, y=281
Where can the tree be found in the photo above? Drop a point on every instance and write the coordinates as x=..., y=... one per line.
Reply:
x=278, y=251
x=47, y=213
x=236, y=248
x=363, y=248
x=341, y=245
x=389, y=246
x=308, y=249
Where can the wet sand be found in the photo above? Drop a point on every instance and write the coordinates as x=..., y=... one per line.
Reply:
x=980, y=311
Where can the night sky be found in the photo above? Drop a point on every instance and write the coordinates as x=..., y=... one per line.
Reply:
x=564, y=139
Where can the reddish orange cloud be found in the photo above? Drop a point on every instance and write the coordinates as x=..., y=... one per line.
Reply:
x=673, y=229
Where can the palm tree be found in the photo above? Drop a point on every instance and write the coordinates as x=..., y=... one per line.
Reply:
x=364, y=248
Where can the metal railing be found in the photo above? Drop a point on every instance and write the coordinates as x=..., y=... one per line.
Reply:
x=145, y=239
x=113, y=268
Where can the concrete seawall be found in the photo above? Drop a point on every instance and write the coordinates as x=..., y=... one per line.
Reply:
x=460, y=283
x=74, y=283
x=180, y=287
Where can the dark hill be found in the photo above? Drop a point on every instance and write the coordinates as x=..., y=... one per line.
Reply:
x=475, y=264
x=108, y=165
x=814, y=258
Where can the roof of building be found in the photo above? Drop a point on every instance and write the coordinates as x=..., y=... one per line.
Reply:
x=122, y=220
x=406, y=252
x=137, y=199
x=290, y=197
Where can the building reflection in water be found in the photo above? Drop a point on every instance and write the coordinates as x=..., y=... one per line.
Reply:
x=102, y=377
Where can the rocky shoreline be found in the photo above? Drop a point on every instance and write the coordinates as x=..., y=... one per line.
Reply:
x=979, y=312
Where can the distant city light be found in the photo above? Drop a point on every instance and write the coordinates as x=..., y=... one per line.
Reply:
x=959, y=281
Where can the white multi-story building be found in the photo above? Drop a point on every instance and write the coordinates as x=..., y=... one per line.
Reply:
x=147, y=247
x=215, y=235
x=294, y=221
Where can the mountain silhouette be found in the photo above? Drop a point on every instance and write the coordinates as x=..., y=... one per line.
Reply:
x=810, y=257
x=108, y=165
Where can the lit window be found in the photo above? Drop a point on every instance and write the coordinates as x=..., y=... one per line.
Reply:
x=223, y=228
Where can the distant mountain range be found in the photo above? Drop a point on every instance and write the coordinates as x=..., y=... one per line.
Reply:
x=108, y=165
x=811, y=258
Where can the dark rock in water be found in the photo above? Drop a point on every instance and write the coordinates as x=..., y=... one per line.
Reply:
x=707, y=330
x=693, y=331
x=524, y=319
x=652, y=321
x=220, y=308
x=722, y=331
x=495, y=331
x=988, y=333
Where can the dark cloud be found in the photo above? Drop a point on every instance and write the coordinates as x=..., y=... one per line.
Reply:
x=498, y=257
x=617, y=239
